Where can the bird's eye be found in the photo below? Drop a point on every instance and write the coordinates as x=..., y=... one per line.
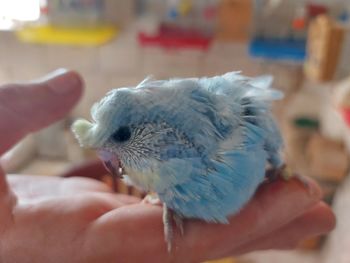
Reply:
x=122, y=134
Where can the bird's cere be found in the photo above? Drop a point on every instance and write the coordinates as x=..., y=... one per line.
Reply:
x=82, y=130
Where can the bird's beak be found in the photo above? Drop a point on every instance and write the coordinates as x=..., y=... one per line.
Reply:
x=113, y=166
x=113, y=169
x=111, y=162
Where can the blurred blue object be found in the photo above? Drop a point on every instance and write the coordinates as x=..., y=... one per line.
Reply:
x=278, y=49
x=173, y=14
x=344, y=16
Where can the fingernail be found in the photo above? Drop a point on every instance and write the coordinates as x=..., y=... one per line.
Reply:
x=62, y=81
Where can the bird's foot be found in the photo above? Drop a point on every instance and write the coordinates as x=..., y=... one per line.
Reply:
x=168, y=217
x=286, y=174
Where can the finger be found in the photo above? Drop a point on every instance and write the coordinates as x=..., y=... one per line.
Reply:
x=32, y=187
x=78, y=185
x=96, y=170
x=273, y=206
x=92, y=169
x=133, y=233
x=25, y=108
x=117, y=199
x=317, y=221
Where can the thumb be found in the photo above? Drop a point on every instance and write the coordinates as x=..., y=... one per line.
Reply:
x=25, y=108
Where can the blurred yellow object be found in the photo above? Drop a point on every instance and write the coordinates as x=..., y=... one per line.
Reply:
x=224, y=260
x=49, y=34
x=185, y=7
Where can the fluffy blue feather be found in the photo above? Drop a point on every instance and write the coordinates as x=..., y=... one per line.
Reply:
x=201, y=144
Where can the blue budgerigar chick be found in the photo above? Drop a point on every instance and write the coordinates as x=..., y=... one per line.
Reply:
x=202, y=144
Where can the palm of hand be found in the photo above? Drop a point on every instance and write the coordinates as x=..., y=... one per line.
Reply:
x=81, y=220
x=70, y=214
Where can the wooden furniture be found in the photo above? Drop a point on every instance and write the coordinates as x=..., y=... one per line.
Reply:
x=325, y=39
x=234, y=20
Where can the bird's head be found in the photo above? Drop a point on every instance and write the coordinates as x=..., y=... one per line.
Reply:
x=130, y=133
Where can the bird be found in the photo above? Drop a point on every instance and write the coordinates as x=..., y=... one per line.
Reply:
x=202, y=145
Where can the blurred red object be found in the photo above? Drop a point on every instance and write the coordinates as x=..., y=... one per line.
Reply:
x=170, y=37
x=314, y=10
x=346, y=115
x=299, y=24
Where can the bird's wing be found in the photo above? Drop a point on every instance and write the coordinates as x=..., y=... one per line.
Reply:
x=215, y=189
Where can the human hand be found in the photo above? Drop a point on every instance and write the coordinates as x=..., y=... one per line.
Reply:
x=45, y=219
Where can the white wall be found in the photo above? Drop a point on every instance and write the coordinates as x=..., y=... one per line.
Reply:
x=123, y=63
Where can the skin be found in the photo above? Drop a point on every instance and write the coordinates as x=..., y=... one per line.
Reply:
x=77, y=219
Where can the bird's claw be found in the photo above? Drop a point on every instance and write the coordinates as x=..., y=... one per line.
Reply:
x=179, y=223
x=152, y=199
x=286, y=174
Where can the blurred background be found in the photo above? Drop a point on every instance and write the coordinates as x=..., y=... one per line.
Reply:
x=303, y=44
